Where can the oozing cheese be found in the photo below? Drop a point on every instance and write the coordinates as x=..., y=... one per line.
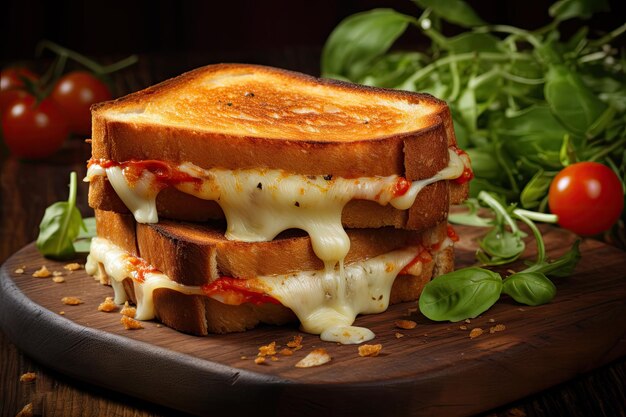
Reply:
x=326, y=302
x=261, y=203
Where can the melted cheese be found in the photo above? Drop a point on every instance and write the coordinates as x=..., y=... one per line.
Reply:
x=326, y=302
x=261, y=203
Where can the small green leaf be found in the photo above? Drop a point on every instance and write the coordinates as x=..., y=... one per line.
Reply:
x=453, y=11
x=530, y=288
x=560, y=267
x=535, y=189
x=501, y=243
x=459, y=295
x=568, y=9
x=359, y=39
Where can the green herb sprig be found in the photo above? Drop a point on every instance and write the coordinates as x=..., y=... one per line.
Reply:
x=62, y=227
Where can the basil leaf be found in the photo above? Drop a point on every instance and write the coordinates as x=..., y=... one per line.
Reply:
x=501, y=243
x=359, y=39
x=464, y=293
x=571, y=101
x=59, y=227
x=82, y=244
x=530, y=288
x=454, y=11
x=568, y=9
x=560, y=267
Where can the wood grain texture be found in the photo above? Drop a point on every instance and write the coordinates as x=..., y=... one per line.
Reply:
x=434, y=370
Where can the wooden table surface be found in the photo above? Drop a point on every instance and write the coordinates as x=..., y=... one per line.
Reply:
x=27, y=188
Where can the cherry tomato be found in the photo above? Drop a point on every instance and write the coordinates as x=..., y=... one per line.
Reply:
x=587, y=196
x=33, y=130
x=11, y=85
x=75, y=92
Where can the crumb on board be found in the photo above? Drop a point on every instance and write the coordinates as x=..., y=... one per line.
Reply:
x=42, y=272
x=475, y=332
x=468, y=321
x=71, y=301
x=492, y=320
x=370, y=350
x=274, y=358
x=463, y=327
x=128, y=311
x=405, y=324
x=28, y=377
x=295, y=343
x=108, y=305
x=243, y=358
x=267, y=350
x=259, y=360
x=130, y=323
x=62, y=313
x=57, y=273
x=20, y=270
x=286, y=352
x=73, y=266
x=316, y=357
x=27, y=411
x=399, y=335
x=497, y=328
x=58, y=279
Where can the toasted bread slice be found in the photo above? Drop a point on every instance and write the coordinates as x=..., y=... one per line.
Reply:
x=195, y=254
x=235, y=116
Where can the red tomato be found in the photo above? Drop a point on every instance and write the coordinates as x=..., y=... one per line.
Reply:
x=75, y=92
x=33, y=130
x=587, y=196
x=11, y=85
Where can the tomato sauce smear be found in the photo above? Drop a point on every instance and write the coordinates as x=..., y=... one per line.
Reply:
x=235, y=291
x=166, y=173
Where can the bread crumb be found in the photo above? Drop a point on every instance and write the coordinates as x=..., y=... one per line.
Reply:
x=259, y=360
x=19, y=271
x=405, y=324
x=58, y=279
x=463, y=327
x=267, y=350
x=27, y=411
x=399, y=335
x=468, y=321
x=73, y=266
x=128, y=311
x=315, y=358
x=243, y=358
x=62, y=313
x=286, y=352
x=108, y=305
x=42, y=272
x=295, y=343
x=370, y=350
x=475, y=332
x=158, y=326
x=130, y=323
x=497, y=328
x=492, y=320
x=71, y=301
x=28, y=377
x=274, y=358
x=57, y=273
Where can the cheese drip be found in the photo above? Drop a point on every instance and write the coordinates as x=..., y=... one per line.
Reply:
x=261, y=203
x=325, y=302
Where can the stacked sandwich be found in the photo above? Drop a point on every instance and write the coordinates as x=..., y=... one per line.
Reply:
x=235, y=195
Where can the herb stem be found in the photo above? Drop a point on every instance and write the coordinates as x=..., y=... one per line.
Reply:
x=606, y=151
x=536, y=216
x=541, y=248
x=529, y=37
x=609, y=36
x=72, y=198
x=497, y=207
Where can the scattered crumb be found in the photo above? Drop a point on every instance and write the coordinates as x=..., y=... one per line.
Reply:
x=267, y=350
x=521, y=309
x=130, y=323
x=108, y=305
x=497, y=328
x=274, y=358
x=516, y=412
x=71, y=301
x=73, y=266
x=27, y=411
x=58, y=279
x=399, y=335
x=468, y=321
x=57, y=273
x=259, y=360
x=405, y=324
x=42, y=272
x=286, y=352
x=370, y=350
x=295, y=343
x=475, y=332
x=62, y=313
x=243, y=358
x=463, y=327
x=411, y=310
x=158, y=326
x=128, y=311
x=316, y=358
x=28, y=377
x=492, y=320
x=19, y=270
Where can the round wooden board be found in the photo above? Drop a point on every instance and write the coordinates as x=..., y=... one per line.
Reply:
x=432, y=370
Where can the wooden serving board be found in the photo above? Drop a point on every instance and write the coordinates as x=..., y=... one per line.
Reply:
x=434, y=369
